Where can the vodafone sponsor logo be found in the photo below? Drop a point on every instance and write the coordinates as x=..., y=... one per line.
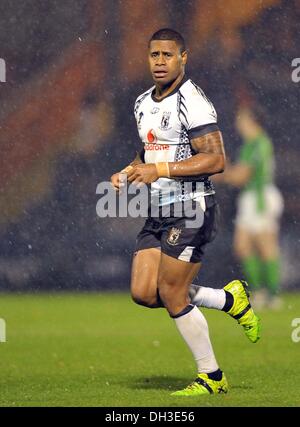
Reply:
x=156, y=147
x=152, y=143
x=151, y=137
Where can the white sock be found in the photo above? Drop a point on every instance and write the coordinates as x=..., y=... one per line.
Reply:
x=194, y=330
x=207, y=297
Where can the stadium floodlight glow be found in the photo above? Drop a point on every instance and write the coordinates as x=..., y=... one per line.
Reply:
x=2, y=71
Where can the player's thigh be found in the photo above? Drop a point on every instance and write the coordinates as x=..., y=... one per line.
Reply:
x=144, y=273
x=243, y=242
x=267, y=244
x=177, y=273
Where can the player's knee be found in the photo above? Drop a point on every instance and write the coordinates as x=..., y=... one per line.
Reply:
x=144, y=300
x=268, y=253
x=242, y=250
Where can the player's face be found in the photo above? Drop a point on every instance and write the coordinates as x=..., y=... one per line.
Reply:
x=166, y=61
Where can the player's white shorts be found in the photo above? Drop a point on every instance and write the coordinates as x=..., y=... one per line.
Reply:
x=249, y=218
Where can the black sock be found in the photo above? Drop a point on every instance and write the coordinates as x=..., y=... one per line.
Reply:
x=228, y=302
x=216, y=375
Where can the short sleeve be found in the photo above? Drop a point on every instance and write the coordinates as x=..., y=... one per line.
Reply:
x=136, y=108
x=139, y=100
x=197, y=112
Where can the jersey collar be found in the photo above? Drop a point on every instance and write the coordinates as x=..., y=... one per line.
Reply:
x=176, y=88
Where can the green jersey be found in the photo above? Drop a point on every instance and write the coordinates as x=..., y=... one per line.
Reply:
x=258, y=153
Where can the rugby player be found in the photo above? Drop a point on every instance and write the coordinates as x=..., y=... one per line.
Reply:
x=176, y=116
x=259, y=207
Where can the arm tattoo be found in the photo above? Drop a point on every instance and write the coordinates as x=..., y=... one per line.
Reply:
x=211, y=143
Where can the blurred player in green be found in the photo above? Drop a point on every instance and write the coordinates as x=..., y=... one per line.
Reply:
x=259, y=208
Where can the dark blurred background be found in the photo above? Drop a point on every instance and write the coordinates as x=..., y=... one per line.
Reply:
x=74, y=70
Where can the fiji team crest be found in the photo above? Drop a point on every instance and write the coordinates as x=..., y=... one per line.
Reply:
x=165, y=121
x=173, y=236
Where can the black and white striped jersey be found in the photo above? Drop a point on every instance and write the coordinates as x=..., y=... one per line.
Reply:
x=166, y=128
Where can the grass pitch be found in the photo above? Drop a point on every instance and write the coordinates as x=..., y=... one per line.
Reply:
x=103, y=350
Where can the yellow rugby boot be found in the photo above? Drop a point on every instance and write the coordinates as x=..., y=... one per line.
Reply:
x=203, y=386
x=241, y=309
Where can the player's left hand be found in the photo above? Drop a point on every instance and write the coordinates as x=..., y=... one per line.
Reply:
x=143, y=174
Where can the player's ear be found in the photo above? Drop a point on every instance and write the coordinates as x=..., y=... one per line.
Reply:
x=184, y=57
